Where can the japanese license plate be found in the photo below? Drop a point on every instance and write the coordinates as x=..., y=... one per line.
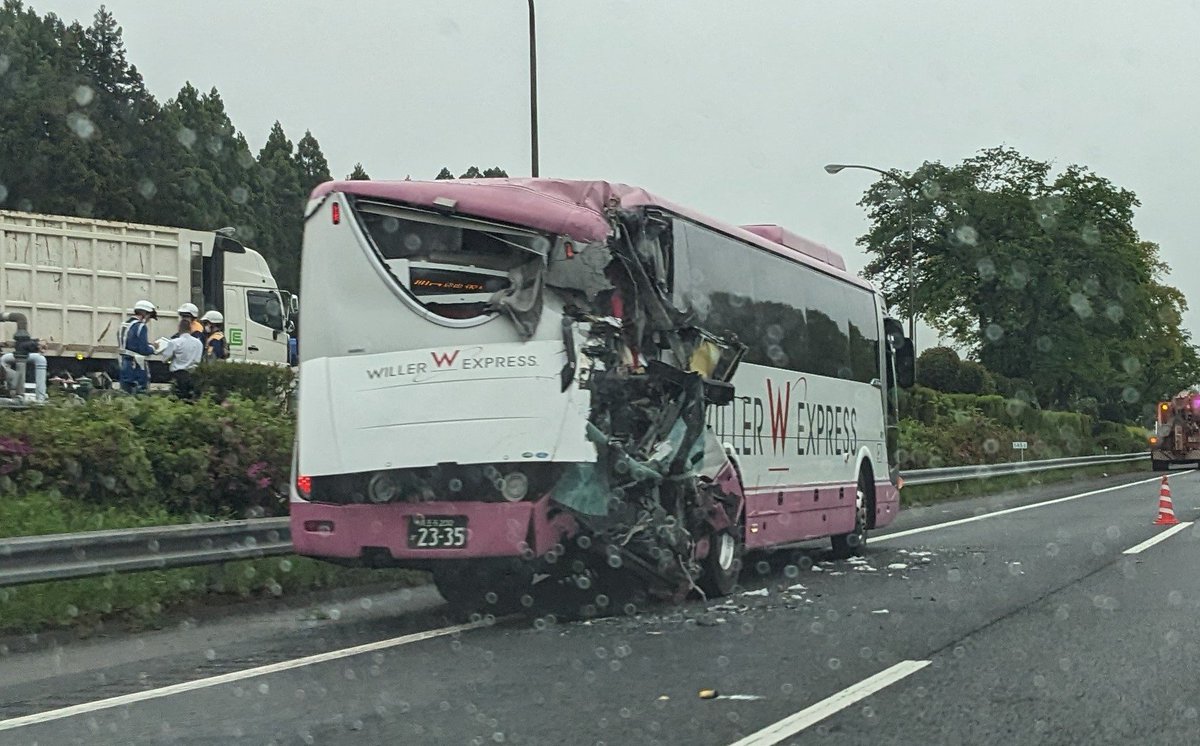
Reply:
x=437, y=532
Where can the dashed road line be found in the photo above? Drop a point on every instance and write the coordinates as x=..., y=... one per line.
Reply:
x=1157, y=538
x=793, y=724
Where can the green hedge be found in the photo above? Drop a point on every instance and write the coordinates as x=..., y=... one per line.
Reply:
x=229, y=458
x=221, y=380
x=938, y=429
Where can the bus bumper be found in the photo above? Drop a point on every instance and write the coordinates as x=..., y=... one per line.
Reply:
x=524, y=529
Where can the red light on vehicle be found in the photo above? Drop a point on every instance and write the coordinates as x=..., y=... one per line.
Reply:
x=1164, y=407
x=569, y=249
x=304, y=486
x=335, y=212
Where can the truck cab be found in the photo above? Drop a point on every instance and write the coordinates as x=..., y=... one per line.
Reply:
x=238, y=283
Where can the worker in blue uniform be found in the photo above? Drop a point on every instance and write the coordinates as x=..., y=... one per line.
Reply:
x=133, y=345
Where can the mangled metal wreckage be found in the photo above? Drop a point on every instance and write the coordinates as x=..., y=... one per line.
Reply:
x=663, y=497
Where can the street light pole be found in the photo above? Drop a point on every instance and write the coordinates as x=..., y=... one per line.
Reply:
x=533, y=116
x=834, y=168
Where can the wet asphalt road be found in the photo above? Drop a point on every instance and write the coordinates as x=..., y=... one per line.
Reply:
x=1032, y=626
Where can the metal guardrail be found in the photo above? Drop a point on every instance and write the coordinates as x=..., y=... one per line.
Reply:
x=35, y=559
x=959, y=473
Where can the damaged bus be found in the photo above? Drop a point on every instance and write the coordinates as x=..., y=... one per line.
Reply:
x=512, y=381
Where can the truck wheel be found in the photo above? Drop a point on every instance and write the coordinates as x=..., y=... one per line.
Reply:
x=1160, y=465
x=723, y=564
x=853, y=543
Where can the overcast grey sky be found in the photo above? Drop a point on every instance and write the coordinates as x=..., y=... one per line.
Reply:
x=730, y=107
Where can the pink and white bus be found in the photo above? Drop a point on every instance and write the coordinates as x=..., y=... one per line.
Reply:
x=510, y=379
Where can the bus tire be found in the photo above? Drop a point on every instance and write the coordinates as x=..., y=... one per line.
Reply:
x=853, y=543
x=723, y=564
x=492, y=588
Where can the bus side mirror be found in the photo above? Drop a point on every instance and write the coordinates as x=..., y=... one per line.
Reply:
x=905, y=364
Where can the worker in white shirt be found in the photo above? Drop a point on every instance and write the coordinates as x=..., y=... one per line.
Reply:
x=183, y=352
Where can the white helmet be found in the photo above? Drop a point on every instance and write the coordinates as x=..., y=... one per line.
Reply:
x=147, y=306
x=189, y=309
x=213, y=317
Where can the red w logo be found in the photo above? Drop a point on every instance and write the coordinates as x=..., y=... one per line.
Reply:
x=445, y=359
x=779, y=403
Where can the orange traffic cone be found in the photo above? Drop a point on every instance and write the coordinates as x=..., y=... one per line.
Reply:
x=1166, y=509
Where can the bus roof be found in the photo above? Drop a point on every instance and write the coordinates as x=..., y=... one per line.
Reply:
x=576, y=209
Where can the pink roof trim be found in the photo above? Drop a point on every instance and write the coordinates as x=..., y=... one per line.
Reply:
x=576, y=209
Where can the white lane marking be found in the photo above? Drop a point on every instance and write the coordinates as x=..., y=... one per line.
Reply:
x=1155, y=539
x=1018, y=509
x=793, y=724
x=187, y=686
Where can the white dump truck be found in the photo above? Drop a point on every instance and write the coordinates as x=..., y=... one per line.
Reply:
x=76, y=279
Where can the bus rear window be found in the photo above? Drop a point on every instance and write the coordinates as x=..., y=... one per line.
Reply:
x=453, y=266
x=428, y=241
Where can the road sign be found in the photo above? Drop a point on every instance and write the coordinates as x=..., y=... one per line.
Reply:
x=1020, y=445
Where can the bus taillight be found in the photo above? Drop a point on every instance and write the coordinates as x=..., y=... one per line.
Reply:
x=335, y=212
x=304, y=486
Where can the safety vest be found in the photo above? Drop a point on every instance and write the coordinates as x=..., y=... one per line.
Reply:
x=124, y=332
x=211, y=353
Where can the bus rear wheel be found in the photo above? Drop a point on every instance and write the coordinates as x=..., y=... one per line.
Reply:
x=853, y=543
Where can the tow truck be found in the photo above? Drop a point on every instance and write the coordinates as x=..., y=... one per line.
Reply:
x=1176, y=438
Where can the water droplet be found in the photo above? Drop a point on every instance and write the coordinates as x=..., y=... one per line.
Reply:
x=1130, y=394
x=991, y=446
x=146, y=187
x=774, y=332
x=834, y=664
x=186, y=137
x=210, y=654
x=1175, y=598
x=993, y=332
x=81, y=125
x=264, y=688
x=1090, y=235
x=1081, y=305
x=84, y=95
x=240, y=195
x=986, y=267
x=966, y=234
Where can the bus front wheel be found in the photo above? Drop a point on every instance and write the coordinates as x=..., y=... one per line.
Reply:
x=723, y=563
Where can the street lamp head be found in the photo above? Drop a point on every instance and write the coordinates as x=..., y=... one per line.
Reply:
x=833, y=168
